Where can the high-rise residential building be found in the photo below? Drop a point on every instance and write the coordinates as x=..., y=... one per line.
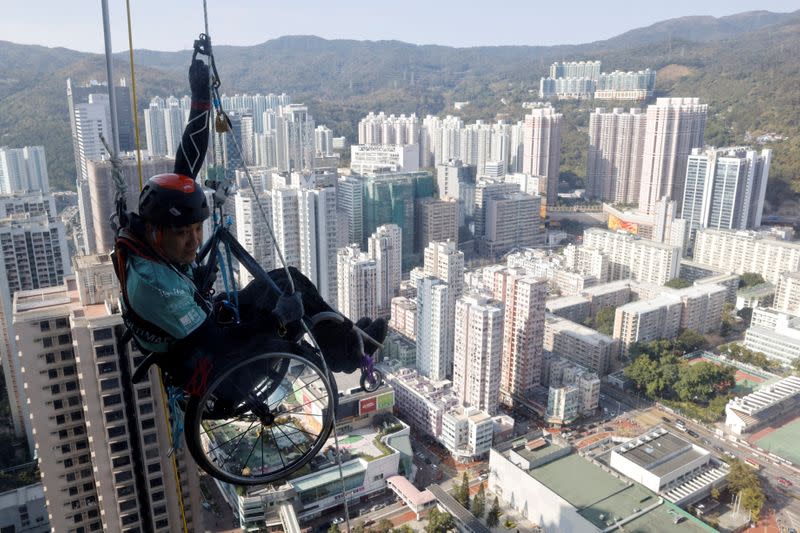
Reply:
x=286, y=224
x=456, y=181
x=787, y=294
x=440, y=140
x=318, y=239
x=620, y=85
x=34, y=256
x=579, y=344
x=366, y=158
x=23, y=169
x=542, y=149
x=349, y=200
x=295, y=138
x=176, y=115
x=674, y=127
x=630, y=257
x=103, y=190
x=100, y=439
x=746, y=251
x=154, y=129
x=523, y=331
x=478, y=348
x=614, y=159
x=252, y=231
x=385, y=247
x=394, y=130
x=444, y=261
x=512, y=221
x=323, y=141
x=576, y=69
x=725, y=188
x=404, y=316
x=647, y=320
x=390, y=199
x=357, y=283
x=247, y=139
x=437, y=220
x=485, y=190
x=79, y=94
x=434, y=328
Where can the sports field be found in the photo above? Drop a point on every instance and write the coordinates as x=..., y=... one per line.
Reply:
x=783, y=441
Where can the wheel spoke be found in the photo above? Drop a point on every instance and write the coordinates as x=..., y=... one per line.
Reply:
x=313, y=435
x=229, y=455
x=302, y=453
x=226, y=423
x=275, y=440
x=298, y=390
x=232, y=438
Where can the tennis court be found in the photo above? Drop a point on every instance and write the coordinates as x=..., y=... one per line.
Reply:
x=783, y=441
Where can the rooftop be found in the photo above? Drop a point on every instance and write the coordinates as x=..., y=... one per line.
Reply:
x=767, y=396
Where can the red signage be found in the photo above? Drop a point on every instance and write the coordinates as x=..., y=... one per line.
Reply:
x=367, y=405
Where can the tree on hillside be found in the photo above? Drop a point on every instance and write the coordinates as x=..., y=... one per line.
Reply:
x=678, y=283
x=493, y=518
x=750, y=279
x=462, y=492
x=479, y=502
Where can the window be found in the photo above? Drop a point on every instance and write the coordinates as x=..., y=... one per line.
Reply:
x=161, y=523
x=76, y=415
x=150, y=438
x=69, y=370
x=121, y=461
x=161, y=509
x=116, y=431
x=50, y=358
x=70, y=477
x=55, y=389
x=123, y=476
x=65, y=338
x=113, y=416
x=47, y=342
x=60, y=420
x=67, y=463
x=95, y=526
x=73, y=491
x=65, y=448
x=70, y=386
x=156, y=482
x=154, y=467
x=44, y=325
x=106, y=368
x=80, y=445
x=86, y=473
x=78, y=517
x=58, y=404
x=124, y=491
x=146, y=408
x=103, y=334
x=62, y=323
x=118, y=446
x=67, y=355
x=151, y=453
x=148, y=423
x=158, y=496
x=105, y=350
x=127, y=505
x=74, y=400
x=112, y=399
x=130, y=519
x=52, y=373
x=144, y=393
x=63, y=434
x=108, y=384
x=87, y=487
x=83, y=459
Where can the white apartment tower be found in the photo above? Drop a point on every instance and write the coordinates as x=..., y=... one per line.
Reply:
x=523, y=331
x=787, y=294
x=542, y=149
x=357, y=283
x=23, y=169
x=647, y=320
x=443, y=260
x=154, y=128
x=286, y=223
x=674, y=127
x=34, y=256
x=478, y=349
x=385, y=248
x=434, y=328
x=725, y=188
x=100, y=439
x=349, y=200
x=252, y=231
x=632, y=258
x=614, y=160
x=746, y=251
x=318, y=239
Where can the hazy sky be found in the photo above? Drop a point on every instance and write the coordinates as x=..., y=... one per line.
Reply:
x=173, y=24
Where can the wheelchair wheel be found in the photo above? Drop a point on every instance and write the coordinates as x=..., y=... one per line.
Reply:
x=249, y=429
x=373, y=382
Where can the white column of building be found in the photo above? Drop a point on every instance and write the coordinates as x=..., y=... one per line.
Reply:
x=385, y=247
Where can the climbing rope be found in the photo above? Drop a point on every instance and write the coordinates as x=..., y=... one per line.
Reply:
x=135, y=103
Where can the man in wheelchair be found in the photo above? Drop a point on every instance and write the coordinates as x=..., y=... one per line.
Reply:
x=165, y=309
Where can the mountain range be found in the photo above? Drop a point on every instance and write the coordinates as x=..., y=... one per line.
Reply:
x=745, y=66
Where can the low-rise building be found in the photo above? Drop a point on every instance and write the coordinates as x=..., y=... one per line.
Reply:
x=750, y=413
x=404, y=316
x=467, y=433
x=647, y=320
x=550, y=485
x=761, y=295
x=787, y=293
x=681, y=472
x=775, y=334
x=23, y=510
x=574, y=390
x=421, y=401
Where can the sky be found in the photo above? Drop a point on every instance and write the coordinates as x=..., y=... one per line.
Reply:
x=171, y=25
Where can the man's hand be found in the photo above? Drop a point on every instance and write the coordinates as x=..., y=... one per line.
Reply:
x=199, y=80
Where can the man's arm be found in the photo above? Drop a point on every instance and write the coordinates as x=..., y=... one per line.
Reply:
x=194, y=143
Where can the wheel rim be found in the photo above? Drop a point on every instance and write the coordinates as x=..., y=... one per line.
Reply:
x=249, y=428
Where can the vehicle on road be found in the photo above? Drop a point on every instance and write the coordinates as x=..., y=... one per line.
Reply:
x=692, y=434
x=338, y=520
x=729, y=454
x=785, y=482
x=752, y=463
x=665, y=419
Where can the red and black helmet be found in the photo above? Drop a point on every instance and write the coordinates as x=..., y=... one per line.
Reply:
x=173, y=200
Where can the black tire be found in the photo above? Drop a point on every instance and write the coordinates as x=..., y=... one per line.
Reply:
x=371, y=385
x=270, y=413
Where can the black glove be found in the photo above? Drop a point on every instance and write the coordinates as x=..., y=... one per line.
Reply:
x=288, y=308
x=199, y=81
x=203, y=275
